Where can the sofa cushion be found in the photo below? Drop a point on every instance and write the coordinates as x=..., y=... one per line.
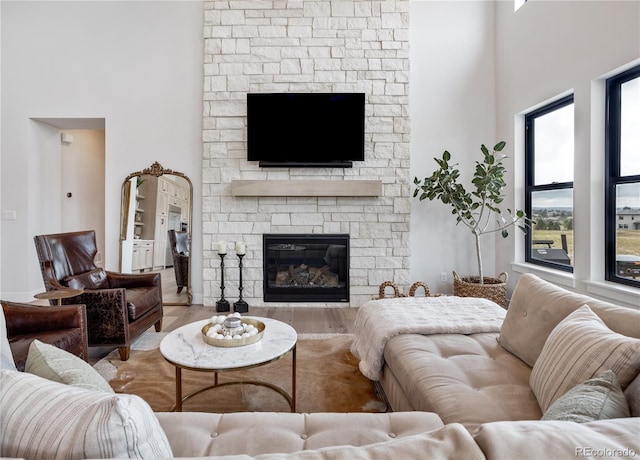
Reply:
x=579, y=348
x=142, y=299
x=632, y=394
x=616, y=438
x=45, y=419
x=449, y=442
x=599, y=398
x=201, y=434
x=537, y=306
x=55, y=364
x=94, y=279
x=6, y=358
x=468, y=379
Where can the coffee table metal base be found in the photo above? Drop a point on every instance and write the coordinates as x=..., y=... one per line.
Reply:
x=290, y=398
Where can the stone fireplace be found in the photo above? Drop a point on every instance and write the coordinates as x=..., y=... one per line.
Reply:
x=306, y=46
x=305, y=268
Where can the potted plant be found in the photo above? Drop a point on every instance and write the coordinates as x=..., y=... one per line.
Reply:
x=478, y=209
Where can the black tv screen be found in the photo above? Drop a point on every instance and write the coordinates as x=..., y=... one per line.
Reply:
x=305, y=129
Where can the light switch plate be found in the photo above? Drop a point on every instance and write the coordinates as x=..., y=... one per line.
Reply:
x=9, y=215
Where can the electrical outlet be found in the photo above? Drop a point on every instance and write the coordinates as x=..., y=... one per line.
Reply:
x=443, y=276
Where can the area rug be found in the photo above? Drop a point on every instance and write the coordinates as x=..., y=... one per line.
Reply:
x=328, y=380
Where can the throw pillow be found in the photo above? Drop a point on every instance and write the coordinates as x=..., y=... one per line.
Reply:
x=599, y=398
x=45, y=419
x=580, y=347
x=95, y=279
x=56, y=364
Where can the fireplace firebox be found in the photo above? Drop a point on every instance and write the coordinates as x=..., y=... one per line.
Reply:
x=306, y=267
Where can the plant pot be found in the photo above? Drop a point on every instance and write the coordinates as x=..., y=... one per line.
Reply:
x=493, y=288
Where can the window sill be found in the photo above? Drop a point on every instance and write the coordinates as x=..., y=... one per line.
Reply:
x=614, y=291
x=561, y=278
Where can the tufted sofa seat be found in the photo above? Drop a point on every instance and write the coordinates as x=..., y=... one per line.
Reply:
x=200, y=434
x=449, y=373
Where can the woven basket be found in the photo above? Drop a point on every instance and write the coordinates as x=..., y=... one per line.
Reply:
x=385, y=285
x=493, y=288
x=415, y=286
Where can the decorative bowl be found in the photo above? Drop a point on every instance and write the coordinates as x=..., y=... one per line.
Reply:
x=231, y=343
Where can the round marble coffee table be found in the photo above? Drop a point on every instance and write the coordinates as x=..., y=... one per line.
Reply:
x=185, y=348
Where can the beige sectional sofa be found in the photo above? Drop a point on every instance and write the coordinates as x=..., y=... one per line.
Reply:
x=455, y=396
x=485, y=377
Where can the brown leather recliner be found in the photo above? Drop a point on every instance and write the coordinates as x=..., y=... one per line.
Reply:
x=63, y=326
x=120, y=307
x=179, y=242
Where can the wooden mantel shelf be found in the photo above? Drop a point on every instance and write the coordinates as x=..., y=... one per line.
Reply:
x=306, y=187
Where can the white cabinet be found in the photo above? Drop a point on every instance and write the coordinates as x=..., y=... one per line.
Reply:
x=162, y=214
x=160, y=243
x=162, y=203
x=142, y=255
x=185, y=209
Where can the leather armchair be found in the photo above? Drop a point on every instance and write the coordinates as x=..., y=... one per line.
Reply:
x=62, y=326
x=120, y=307
x=179, y=242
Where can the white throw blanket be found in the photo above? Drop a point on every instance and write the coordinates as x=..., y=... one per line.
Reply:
x=377, y=321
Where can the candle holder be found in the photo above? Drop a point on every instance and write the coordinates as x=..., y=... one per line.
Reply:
x=240, y=306
x=222, y=304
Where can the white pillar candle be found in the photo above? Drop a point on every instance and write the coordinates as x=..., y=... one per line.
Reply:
x=241, y=248
x=222, y=247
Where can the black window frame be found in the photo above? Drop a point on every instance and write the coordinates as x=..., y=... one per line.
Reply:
x=531, y=187
x=613, y=178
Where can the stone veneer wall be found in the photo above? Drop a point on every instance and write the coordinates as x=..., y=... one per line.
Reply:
x=306, y=46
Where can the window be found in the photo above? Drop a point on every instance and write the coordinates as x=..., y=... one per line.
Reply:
x=622, y=193
x=549, y=184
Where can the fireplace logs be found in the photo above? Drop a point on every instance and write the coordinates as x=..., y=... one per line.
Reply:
x=302, y=276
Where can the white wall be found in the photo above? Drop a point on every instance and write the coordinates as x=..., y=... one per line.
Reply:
x=138, y=65
x=545, y=49
x=83, y=177
x=452, y=108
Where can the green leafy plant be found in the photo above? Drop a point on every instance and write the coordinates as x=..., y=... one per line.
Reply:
x=478, y=209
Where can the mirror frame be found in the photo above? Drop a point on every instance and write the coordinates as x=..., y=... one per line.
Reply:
x=156, y=170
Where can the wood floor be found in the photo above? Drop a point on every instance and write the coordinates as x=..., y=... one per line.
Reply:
x=305, y=320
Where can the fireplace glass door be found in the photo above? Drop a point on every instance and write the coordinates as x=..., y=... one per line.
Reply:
x=306, y=268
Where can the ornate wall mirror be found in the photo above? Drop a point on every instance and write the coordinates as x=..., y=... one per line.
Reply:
x=155, y=229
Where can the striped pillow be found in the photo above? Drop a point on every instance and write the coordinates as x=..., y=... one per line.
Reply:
x=579, y=348
x=45, y=419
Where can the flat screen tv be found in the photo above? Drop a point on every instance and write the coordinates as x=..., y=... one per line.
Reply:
x=305, y=129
